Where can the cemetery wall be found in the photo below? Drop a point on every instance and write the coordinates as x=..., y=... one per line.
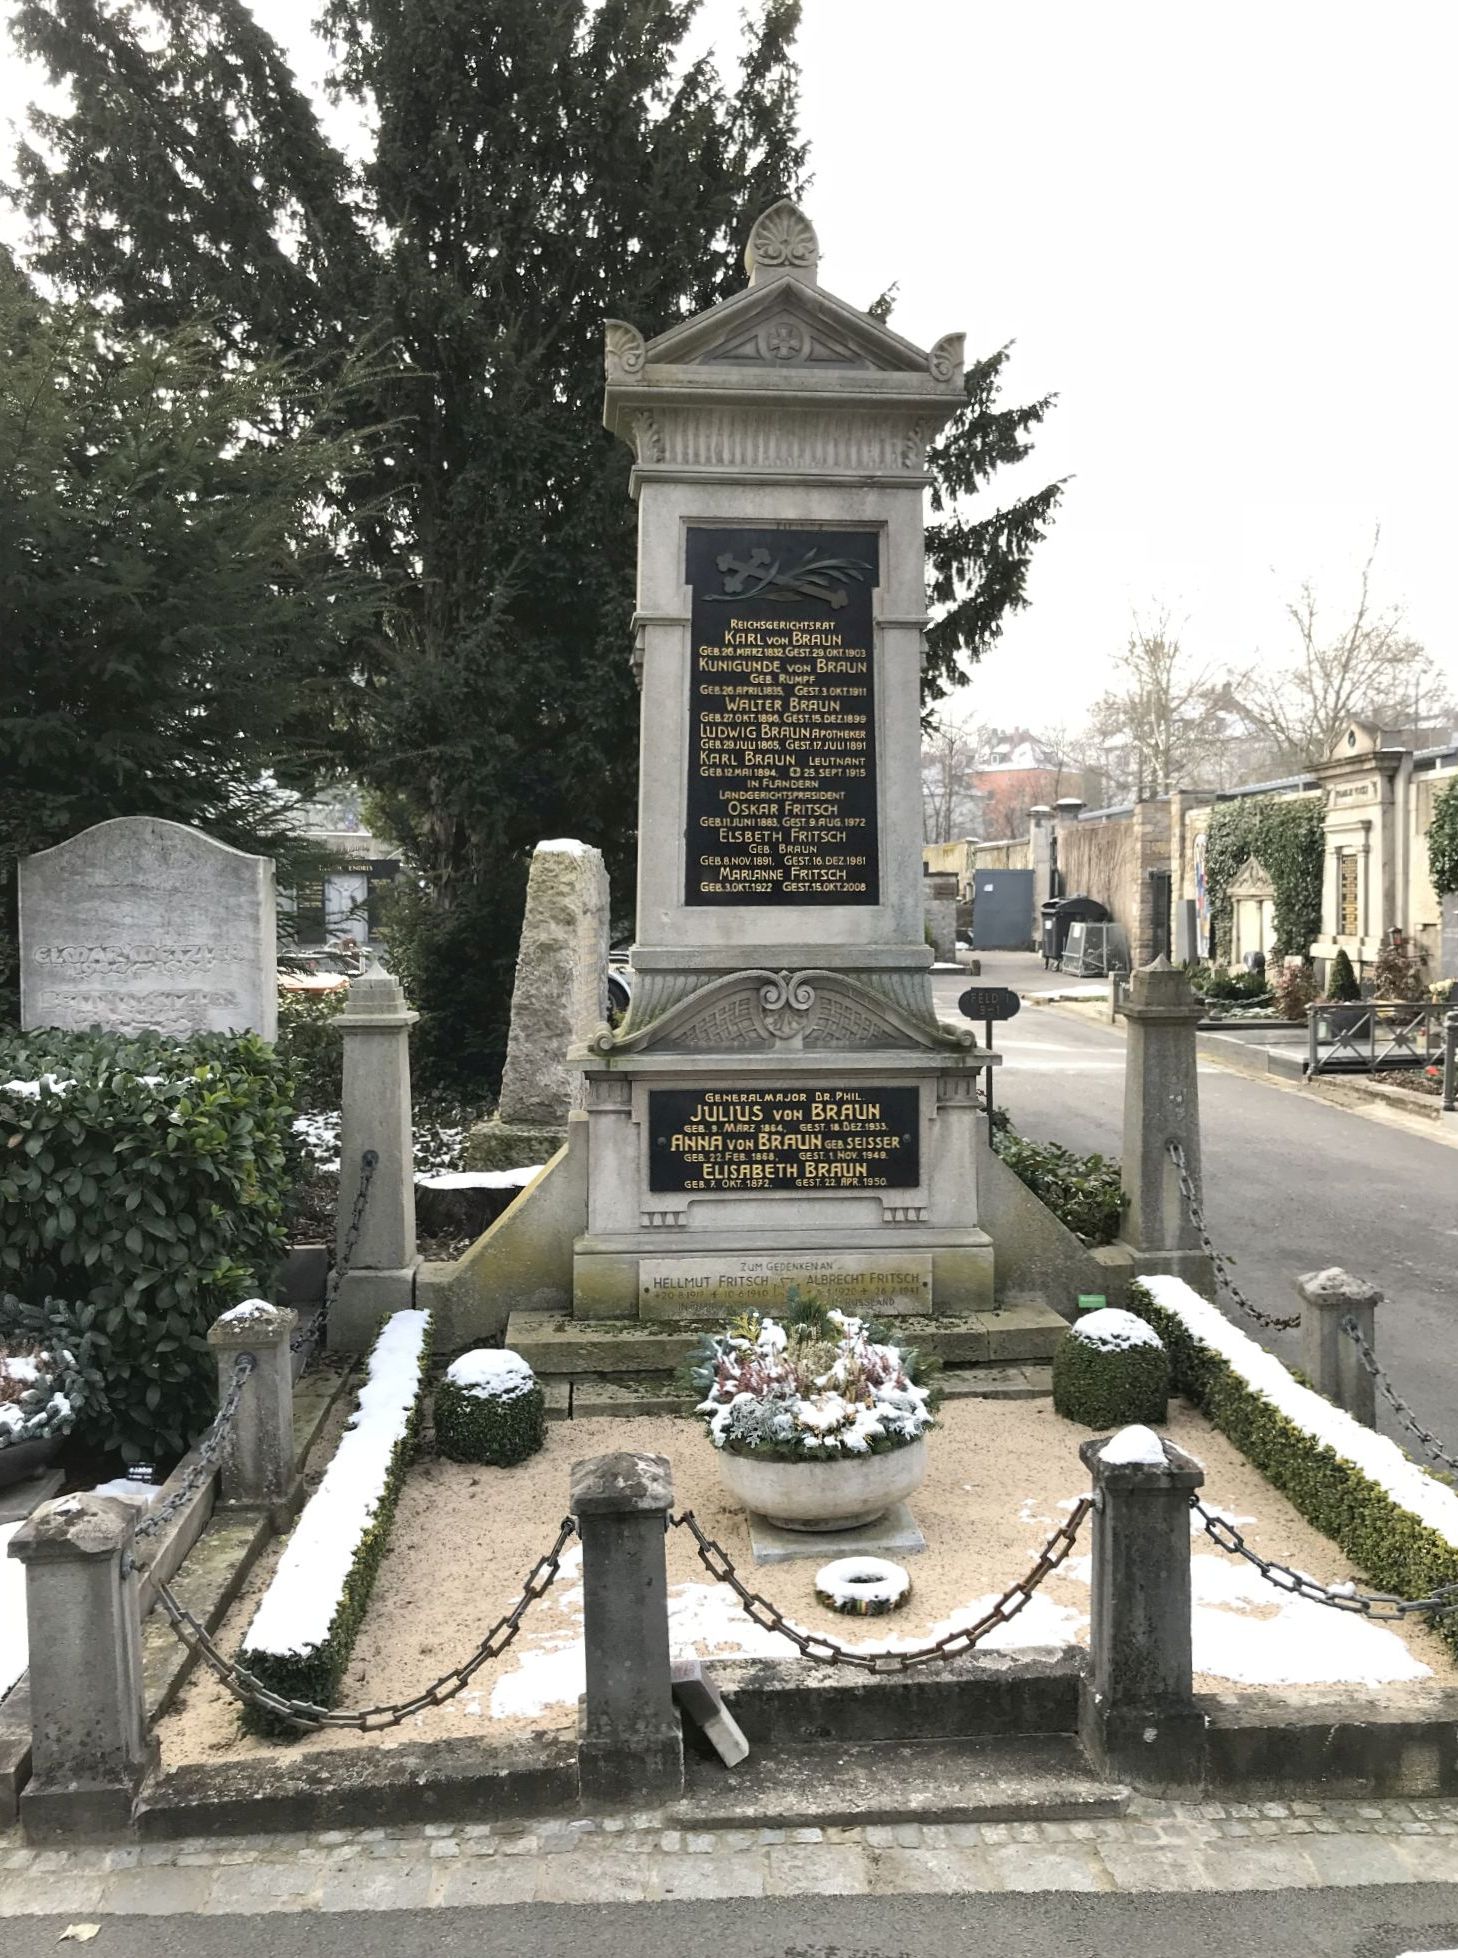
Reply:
x=1098, y=858
x=1014, y=854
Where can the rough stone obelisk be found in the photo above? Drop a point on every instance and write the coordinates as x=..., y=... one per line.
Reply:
x=782, y=1104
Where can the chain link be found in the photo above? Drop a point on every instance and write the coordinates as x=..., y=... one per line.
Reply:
x=369, y=1162
x=814, y=1645
x=1368, y=1604
x=207, y=1455
x=1433, y=1448
x=1222, y=1270
x=246, y=1687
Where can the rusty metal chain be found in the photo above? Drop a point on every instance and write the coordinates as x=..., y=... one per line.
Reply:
x=1432, y=1447
x=1368, y=1604
x=814, y=1645
x=245, y=1687
x=369, y=1162
x=1222, y=1270
x=208, y=1452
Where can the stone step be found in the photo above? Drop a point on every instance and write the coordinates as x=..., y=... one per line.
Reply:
x=1037, y=1778
x=1021, y=1332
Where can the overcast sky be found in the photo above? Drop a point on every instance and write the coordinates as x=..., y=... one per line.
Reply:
x=1222, y=236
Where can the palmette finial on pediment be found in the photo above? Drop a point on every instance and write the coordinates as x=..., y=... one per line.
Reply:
x=624, y=351
x=944, y=362
x=783, y=241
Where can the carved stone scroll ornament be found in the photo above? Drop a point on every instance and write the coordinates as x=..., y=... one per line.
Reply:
x=759, y=1011
x=787, y=1002
x=944, y=362
x=624, y=351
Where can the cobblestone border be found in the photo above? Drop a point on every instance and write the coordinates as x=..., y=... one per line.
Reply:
x=1158, y=1846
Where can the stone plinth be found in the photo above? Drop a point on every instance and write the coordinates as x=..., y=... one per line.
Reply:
x=375, y=1115
x=139, y=923
x=1329, y=1357
x=939, y=889
x=1162, y=1105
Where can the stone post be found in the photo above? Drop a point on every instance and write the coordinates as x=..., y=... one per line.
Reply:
x=1042, y=851
x=630, y=1742
x=1139, y=1717
x=89, y=1742
x=258, y=1449
x=1329, y=1359
x=939, y=895
x=375, y=1115
x=1162, y=1105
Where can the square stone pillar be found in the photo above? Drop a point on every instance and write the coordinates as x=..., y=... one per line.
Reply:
x=258, y=1448
x=1162, y=1105
x=1329, y=1357
x=630, y=1741
x=1139, y=1719
x=89, y=1742
x=375, y=1114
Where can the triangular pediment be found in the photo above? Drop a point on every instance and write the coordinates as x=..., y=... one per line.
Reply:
x=760, y=1011
x=1252, y=880
x=1357, y=738
x=786, y=325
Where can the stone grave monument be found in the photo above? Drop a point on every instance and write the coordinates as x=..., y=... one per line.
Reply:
x=781, y=1105
x=139, y=923
x=559, y=997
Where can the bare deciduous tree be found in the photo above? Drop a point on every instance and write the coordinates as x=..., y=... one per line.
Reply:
x=950, y=806
x=1162, y=720
x=1368, y=669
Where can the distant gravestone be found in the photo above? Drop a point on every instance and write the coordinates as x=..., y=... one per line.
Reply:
x=560, y=996
x=139, y=923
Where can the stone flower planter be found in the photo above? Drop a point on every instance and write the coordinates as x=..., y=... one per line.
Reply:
x=841, y=1493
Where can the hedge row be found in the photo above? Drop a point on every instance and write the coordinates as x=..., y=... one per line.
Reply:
x=346, y=1522
x=1397, y=1550
x=145, y=1181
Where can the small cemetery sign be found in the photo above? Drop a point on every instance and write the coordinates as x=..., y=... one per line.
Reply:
x=989, y=1003
x=139, y=923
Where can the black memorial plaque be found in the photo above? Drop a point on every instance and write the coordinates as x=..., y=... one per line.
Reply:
x=782, y=718
x=757, y=1139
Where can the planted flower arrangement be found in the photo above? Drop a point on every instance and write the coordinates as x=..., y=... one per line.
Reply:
x=820, y=1422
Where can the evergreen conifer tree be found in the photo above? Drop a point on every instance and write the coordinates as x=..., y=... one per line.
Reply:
x=527, y=170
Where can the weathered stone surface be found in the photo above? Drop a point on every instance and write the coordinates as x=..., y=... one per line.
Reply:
x=560, y=994
x=1330, y=1360
x=375, y=1115
x=138, y=923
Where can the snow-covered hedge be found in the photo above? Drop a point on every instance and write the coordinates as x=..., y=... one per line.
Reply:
x=816, y=1386
x=489, y=1408
x=1110, y=1369
x=304, y=1630
x=1395, y=1521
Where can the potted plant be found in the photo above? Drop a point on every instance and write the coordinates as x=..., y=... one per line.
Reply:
x=1342, y=1006
x=819, y=1423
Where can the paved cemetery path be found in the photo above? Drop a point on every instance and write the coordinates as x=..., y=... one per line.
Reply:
x=1334, y=1923
x=1291, y=1183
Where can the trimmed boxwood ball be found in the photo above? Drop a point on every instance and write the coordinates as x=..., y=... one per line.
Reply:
x=490, y=1409
x=1110, y=1370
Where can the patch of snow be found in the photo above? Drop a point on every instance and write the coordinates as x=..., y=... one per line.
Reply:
x=567, y=846
x=14, y=1652
x=490, y=1375
x=320, y=1137
x=239, y=1315
x=851, y=1581
x=299, y=1605
x=124, y=1489
x=1134, y=1445
x=1113, y=1329
x=19, y=1366
x=481, y=1179
x=1377, y=1457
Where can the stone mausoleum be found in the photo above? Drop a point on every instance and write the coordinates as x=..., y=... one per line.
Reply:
x=781, y=1104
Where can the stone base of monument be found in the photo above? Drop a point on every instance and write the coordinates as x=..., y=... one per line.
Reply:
x=894, y=1534
x=493, y=1144
x=364, y=1301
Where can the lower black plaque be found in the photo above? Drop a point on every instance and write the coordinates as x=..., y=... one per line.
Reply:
x=756, y=1139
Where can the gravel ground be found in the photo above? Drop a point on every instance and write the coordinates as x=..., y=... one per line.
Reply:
x=1001, y=1476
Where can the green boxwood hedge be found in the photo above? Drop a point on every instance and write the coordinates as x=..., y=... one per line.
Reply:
x=316, y=1675
x=1085, y=1193
x=145, y=1181
x=1397, y=1550
x=497, y=1429
x=1109, y=1386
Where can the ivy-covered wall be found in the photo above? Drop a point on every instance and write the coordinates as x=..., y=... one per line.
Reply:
x=1285, y=834
x=1443, y=841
